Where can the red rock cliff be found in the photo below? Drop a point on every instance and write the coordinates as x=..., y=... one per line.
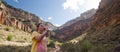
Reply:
x=75, y=27
x=19, y=18
x=107, y=14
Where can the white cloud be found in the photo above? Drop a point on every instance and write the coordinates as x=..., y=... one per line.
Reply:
x=16, y=1
x=92, y=4
x=41, y=18
x=49, y=18
x=72, y=4
x=57, y=25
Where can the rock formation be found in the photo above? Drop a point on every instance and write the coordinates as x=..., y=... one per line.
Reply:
x=107, y=14
x=105, y=30
x=19, y=18
x=75, y=27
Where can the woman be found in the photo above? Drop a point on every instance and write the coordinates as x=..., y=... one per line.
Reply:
x=39, y=43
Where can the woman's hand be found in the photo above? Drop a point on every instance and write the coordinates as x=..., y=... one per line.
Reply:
x=41, y=36
x=46, y=28
x=38, y=37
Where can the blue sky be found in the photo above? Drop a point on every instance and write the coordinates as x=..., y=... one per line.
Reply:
x=55, y=11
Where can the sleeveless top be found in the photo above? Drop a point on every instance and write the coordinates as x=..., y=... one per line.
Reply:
x=39, y=46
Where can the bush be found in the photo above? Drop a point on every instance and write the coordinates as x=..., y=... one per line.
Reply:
x=69, y=47
x=85, y=46
x=51, y=44
x=9, y=37
x=7, y=28
x=25, y=38
x=103, y=48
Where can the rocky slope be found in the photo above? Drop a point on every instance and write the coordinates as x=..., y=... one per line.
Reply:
x=105, y=31
x=14, y=40
x=19, y=18
x=75, y=27
x=83, y=16
x=107, y=14
x=16, y=28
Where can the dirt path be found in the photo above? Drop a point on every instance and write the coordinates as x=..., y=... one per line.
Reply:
x=56, y=49
x=8, y=46
x=15, y=43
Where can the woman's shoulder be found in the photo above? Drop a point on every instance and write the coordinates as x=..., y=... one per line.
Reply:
x=33, y=39
x=37, y=38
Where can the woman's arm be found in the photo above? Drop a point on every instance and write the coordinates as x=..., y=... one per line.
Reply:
x=41, y=36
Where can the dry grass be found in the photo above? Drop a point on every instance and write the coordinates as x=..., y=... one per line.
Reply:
x=77, y=39
x=18, y=35
x=20, y=41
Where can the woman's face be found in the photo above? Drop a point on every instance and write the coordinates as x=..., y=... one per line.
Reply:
x=41, y=27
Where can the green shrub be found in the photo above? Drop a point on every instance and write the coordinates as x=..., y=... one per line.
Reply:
x=85, y=46
x=9, y=37
x=7, y=28
x=25, y=38
x=103, y=48
x=69, y=47
x=51, y=44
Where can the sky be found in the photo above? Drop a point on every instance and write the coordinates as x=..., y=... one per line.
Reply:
x=55, y=11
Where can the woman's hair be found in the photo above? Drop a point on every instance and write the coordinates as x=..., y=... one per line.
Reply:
x=38, y=25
